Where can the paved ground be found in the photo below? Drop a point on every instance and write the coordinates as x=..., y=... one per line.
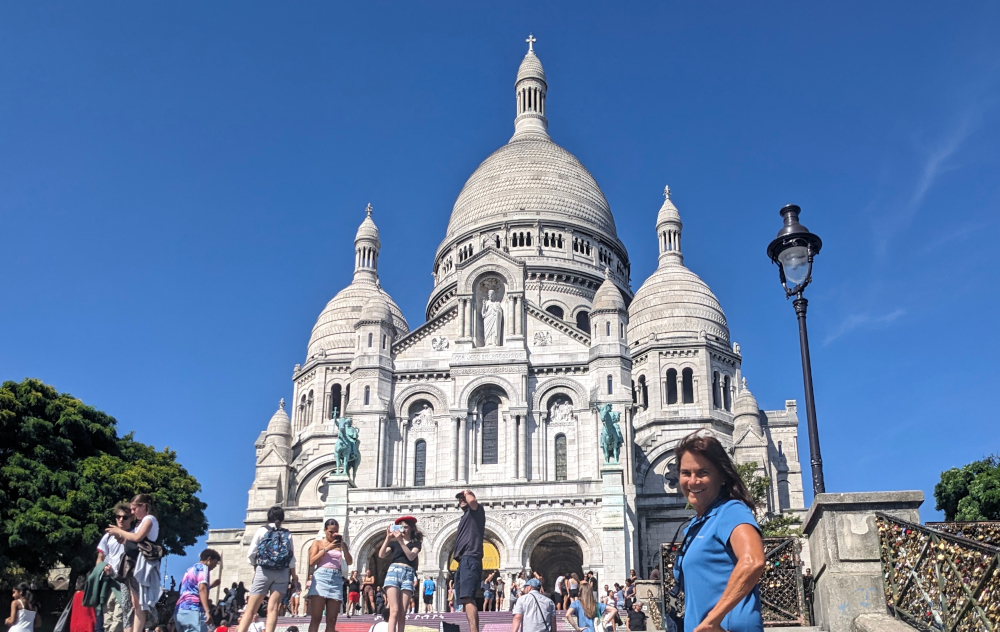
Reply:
x=488, y=622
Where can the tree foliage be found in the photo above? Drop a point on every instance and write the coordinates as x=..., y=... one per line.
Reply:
x=771, y=525
x=970, y=493
x=62, y=469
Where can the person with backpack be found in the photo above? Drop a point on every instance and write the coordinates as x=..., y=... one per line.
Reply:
x=328, y=556
x=533, y=611
x=271, y=555
x=117, y=609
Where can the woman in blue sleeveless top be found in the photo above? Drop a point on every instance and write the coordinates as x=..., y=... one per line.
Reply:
x=722, y=557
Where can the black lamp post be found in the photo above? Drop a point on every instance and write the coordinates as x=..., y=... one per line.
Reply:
x=793, y=250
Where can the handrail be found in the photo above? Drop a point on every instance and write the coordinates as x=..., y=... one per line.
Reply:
x=938, y=581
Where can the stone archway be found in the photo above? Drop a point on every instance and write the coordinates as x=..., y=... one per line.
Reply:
x=556, y=555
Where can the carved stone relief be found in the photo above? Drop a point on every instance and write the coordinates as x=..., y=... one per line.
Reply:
x=542, y=338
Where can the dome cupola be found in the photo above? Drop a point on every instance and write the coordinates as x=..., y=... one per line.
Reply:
x=608, y=297
x=530, y=88
x=673, y=302
x=746, y=413
x=279, y=429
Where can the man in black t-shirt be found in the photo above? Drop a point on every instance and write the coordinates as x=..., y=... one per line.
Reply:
x=469, y=554
x=636, y=618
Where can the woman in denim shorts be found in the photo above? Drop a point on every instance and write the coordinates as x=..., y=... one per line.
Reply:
x=402, y=545
x=326, y=590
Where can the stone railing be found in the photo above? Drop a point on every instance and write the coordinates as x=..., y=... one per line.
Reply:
x=937, y=581
x=987, y=533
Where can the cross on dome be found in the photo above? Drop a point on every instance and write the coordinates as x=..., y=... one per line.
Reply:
x=281, y=404
x=368, y=209
x=666, y=191
x=531, y=42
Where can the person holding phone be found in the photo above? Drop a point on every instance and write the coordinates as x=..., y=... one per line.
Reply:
x=402, y=545
x=326, y=591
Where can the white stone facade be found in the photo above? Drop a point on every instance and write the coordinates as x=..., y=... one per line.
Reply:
x=509, y=410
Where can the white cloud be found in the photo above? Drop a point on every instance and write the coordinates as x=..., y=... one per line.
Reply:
x=866, y=320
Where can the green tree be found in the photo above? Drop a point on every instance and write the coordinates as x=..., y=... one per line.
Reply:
x=771, y=525
x=63, y=467
x=971, y=492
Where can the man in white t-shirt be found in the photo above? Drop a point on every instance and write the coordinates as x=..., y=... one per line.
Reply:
x=558, y=591
x=117, y=610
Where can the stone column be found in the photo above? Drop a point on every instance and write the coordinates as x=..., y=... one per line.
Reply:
x=613, y=535
x=474, y=442
x=382, y=476
x=337, y=486
x=845, y=556
x=456, y=429
x=510, y=315
x=511, y=445
x=463, y=449
x=461, y=317
x=522, y=447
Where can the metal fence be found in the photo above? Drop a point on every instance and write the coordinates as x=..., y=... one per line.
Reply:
x=781, y=588
x=938, y=581
x=987, y=533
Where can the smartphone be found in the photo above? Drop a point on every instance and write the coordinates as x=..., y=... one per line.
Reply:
x=337, y=538
x=396, y=528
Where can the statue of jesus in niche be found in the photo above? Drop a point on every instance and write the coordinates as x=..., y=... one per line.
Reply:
x=492, y=321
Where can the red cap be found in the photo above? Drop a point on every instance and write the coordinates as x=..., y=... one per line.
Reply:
x=409, y=519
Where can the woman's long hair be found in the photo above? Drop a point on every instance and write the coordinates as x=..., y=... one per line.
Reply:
x=415, y=534
x=589, y=605
x=27, y=595
x=708, y=447
x=145, y=499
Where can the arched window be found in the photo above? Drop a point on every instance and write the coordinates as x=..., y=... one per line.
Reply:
x=727, y=398
x=383, y=341
x=621, y=330
x=491, y=433
x=527, y=239
x=309, y=408
x=368, y=393
x=643, y=392
x=335, y=408
x=555, y=310
x=369, y=340
x=420, y=463
x=715, y=389
x=671, y=386
x=687, y=385
x=611, y=385
x=560, y=457
x=583, y=320
x=607, y=326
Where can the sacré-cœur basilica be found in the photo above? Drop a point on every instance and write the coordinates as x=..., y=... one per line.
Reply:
x=532, y=327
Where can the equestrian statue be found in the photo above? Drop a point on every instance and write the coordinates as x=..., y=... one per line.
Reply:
x=611, y=434
x=346, y=452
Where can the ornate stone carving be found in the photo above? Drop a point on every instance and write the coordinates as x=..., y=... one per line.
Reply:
x=439, y=343
x=514, y=520
x=561, y=412
x=424, y=417
x=542, y=338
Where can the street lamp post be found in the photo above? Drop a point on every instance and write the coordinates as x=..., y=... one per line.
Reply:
x=793, y=250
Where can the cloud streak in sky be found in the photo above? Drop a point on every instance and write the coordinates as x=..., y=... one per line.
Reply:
x=865, y=320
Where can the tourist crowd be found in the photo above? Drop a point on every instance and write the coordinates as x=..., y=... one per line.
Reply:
x=717, y=566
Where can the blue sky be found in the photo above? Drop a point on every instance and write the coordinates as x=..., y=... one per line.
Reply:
x=180, y=185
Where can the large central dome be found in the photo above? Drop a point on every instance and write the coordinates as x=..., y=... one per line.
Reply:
x=531, y=178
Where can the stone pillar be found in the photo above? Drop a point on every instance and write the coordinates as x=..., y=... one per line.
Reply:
x=456, y=429
x=511, y=446
x=613, y=505
x=473, y=442
x=461, y=317
x=337, y=486
x=463, y=448
x=510, y=315
x=844, y=552
x=522, y=447
x=382, y=477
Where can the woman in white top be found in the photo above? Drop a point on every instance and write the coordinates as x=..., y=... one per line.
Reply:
x=23, y=610
x=144, y=584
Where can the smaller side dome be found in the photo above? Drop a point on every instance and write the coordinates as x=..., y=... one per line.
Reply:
x=530, y=68
x=746, y=403
x=280, y=424
x=376, y=309
x=608, y=296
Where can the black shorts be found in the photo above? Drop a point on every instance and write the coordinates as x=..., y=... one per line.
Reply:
x=468, y=577
x=574, y=593
x=428, y=599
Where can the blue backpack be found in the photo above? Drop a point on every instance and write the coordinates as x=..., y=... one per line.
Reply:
x=274, y=551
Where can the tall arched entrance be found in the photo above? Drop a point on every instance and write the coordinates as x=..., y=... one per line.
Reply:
x=554, y=555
